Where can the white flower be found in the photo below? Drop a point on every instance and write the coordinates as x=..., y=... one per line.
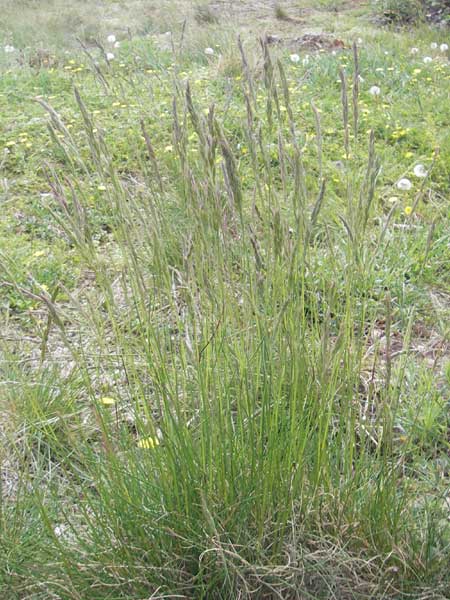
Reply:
x=375, y=90
x=9, y=49
x=109, y=56
x=209, y=51
x=427, y=59
x=433, y=45
x=295, y=58
x=414, y=50
x=111, y=38
x=404, y=184
x=333, y=52
x=116, y=44
x=443, y=47
x=359, y=41
x=420, y=171
x=305, y=61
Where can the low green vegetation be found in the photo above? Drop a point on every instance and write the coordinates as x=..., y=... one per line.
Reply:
x=225, y=302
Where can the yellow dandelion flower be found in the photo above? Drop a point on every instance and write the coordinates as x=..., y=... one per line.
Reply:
x=107, y=401
x=408, y=210
x=148, y=442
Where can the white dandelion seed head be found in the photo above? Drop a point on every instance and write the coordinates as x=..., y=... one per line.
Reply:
x=414, y=50
x=209, y=51
x=116, y=44
x=433, y=45
x=359, y=41
x=8, y=49
x=404, y=184
x=427, y=59
x=109, y=56
x=420, y=171
x=375, y=90
x=111, y=38
x=59, y=530
x=443, y=47
x=295, y=58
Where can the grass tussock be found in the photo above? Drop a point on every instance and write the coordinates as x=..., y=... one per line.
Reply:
x=228, y=403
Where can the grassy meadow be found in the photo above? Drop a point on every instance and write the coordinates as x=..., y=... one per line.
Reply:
x=224, y=302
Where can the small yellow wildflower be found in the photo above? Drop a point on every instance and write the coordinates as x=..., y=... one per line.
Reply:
x=408, y=210
x=148, y=442
x=107, y=401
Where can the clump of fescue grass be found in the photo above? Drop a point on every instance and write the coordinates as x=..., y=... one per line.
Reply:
x=238, y=453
